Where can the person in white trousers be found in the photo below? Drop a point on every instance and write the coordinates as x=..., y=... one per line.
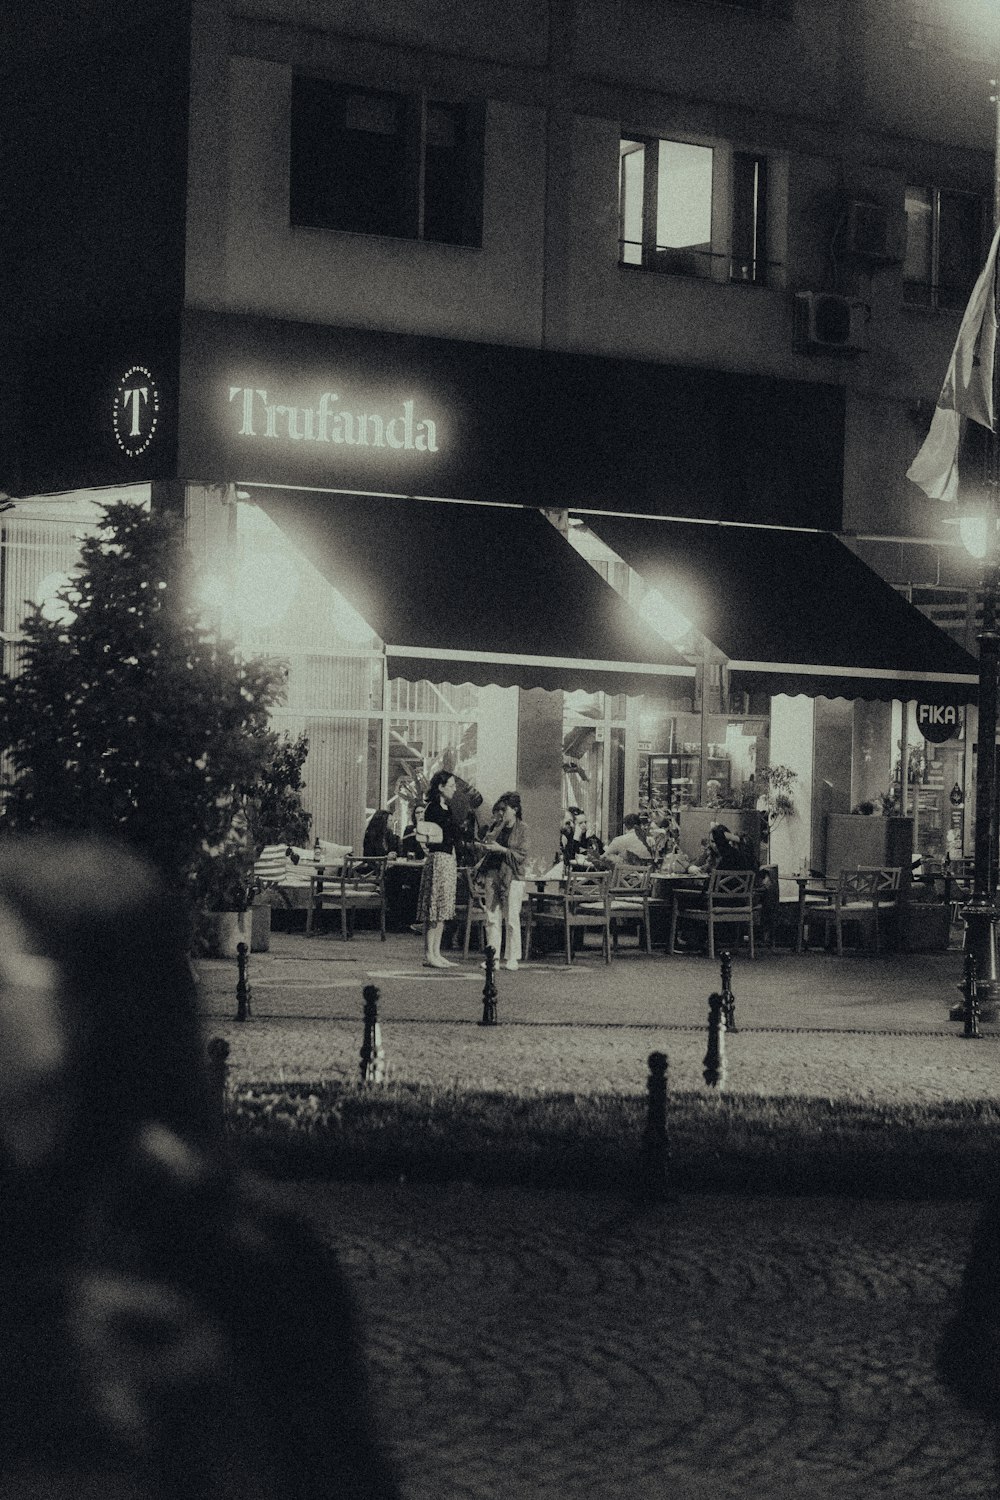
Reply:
x=504, y=853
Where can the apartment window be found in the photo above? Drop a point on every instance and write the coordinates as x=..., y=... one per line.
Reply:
x=667, y=198
x=380, y=163
x=943, y=247
x=748, y=260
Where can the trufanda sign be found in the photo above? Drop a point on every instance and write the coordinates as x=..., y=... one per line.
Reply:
x=329, y=422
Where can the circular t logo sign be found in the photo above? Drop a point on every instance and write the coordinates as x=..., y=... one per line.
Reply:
x=136, y=411
x=938, y=722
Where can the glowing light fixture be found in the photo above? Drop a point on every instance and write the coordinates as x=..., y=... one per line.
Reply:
x=266, y=588
x=665, y=618
x=975, y=533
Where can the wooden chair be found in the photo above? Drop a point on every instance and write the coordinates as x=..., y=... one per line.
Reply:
x=629, y=895
x=470, y=907
x=959, y=878
x=886, y=893
x=582, y=902
x=854, y=901
x=359, y=885
x=731, y=899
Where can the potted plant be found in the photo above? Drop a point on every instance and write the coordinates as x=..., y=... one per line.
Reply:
x=227, y=910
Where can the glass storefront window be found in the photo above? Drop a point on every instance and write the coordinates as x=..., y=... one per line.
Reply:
x=671, y=769
x=420, y=745
x=583, y=755
x=935, y=797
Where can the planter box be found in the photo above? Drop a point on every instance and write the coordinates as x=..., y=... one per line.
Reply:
x=852, y=839
x=222, y=931
x=260, y=928
x=923, y=927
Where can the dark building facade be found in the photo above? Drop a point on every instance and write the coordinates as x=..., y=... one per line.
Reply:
x=370, y=295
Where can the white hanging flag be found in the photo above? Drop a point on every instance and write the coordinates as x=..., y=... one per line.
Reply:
x=967, y=389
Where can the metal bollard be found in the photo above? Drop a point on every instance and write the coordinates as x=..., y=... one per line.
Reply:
x=655, y=1158
x=243, y=1011
x=490, y=991
x=372, y=1055
x=714, y=1071
x=728, y=998
x=218, y=1071
x=970, y=1010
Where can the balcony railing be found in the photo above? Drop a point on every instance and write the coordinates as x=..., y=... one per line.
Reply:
x=691, y=261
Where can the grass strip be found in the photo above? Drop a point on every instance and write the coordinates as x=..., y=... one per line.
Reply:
x=717, y=1143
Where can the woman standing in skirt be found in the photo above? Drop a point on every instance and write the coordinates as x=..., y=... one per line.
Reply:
x=436, y=902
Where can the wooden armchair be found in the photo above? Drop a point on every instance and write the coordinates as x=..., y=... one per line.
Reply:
x=629, y=895
x=730, y=899
x=582, y=902
x=854, y=901
x=359, y=885
x=470, y=907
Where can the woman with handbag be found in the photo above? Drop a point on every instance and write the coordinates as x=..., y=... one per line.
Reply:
x=439, y=877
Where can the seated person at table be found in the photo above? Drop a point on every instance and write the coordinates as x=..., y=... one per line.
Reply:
x=631, y=845
x=573, y=835
x=379, y=837
x=724, y=851
x=410, y=846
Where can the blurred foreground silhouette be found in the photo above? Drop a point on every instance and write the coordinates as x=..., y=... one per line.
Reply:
x=168, y=1331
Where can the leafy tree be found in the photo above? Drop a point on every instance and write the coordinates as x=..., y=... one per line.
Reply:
x=128, y=717
x=274, y=805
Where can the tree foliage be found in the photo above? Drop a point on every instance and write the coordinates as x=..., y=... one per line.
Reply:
x=128, y=717
x=274, y=806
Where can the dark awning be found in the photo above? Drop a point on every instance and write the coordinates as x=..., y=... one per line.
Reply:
x=476, y=593
x=794, y=611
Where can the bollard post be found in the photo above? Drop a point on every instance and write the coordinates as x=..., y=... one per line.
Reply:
x=714, y=1071
x=218, y=1071
x=490, y=991
x=372, y=1056
x=728, y=998
x=243, y=1011
x=655, y=1159
x=970, y=1010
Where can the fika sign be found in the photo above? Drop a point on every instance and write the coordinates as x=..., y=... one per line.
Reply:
x=938, y=722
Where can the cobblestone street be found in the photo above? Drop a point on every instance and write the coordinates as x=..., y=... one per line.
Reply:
x=556, y=1346
x=565, y=1346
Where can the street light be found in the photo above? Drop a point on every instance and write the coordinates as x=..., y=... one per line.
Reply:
x=980, y=536
x=979, y=531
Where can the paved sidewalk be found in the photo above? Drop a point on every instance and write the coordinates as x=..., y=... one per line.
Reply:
x=809, y=1024
x=564, y=1346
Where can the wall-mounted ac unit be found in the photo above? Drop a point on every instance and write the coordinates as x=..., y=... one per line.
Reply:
x=874, y=233
x=826, y=323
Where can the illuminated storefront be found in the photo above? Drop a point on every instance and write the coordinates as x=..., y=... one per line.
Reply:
x=606, y=582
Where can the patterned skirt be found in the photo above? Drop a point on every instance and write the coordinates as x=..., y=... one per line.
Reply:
x=438, y=880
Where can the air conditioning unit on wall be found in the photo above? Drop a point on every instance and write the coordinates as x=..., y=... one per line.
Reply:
x=827, y=323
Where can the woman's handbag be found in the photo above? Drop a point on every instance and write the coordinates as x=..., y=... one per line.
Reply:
x=430, y=833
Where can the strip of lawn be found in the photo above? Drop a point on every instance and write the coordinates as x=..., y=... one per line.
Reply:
x=717, y=1143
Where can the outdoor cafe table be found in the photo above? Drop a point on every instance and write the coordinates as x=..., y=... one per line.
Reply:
x=665, y=891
